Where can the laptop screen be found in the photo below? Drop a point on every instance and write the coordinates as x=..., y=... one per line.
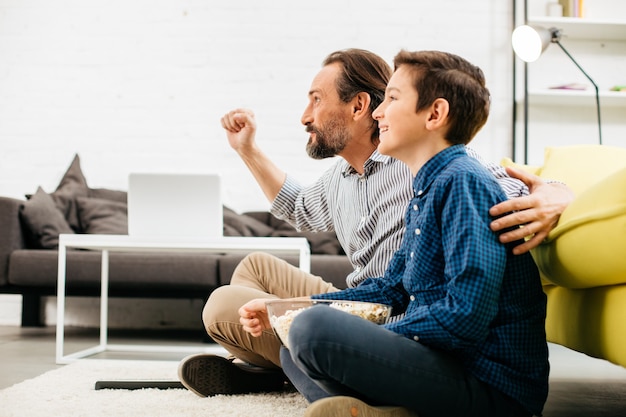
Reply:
x=174, y=205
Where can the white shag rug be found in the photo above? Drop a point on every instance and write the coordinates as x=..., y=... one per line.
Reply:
x=69, y=391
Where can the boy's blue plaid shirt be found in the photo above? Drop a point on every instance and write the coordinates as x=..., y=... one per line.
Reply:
x=461, y=290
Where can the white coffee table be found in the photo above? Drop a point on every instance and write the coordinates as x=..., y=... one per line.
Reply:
x=124, y=243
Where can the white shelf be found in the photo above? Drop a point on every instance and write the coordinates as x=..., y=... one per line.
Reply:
x=575, y=98
x=582, y=28
x=599, y=39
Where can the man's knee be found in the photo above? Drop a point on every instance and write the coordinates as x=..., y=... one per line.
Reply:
x=219, y=307
x=253, y=260
x=249, y=268
x=256, y=268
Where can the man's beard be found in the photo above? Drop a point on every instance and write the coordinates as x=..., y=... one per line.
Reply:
x=330, y=139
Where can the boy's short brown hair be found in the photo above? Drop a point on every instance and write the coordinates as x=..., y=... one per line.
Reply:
x=448, y=76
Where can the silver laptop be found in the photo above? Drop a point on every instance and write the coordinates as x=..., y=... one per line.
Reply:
x=174, y=205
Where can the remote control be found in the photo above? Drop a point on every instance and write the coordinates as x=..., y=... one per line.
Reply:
x=138, y=384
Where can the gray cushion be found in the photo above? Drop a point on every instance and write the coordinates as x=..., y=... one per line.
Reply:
x=108, y=194
x=72, y=185
x=98, y=216
x=243, y=225
x=322, y=243
x=43, y=220
x=128, y=270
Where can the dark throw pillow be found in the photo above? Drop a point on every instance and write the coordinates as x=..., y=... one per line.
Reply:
x=323, y=243
x=99, y=216
x=107, y=194
x=43, y=220
x=72, y=185
x=243, y=225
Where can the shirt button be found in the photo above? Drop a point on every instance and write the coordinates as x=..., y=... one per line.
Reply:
x=416, y=338
x=418, y=231
x=412, y=254
x=420, y=192
x=415, y=208
x=412, y=298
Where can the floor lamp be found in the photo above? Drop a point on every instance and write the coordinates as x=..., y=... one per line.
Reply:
x=529, y=42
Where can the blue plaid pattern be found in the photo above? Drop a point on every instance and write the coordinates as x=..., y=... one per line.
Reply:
x=461, y=290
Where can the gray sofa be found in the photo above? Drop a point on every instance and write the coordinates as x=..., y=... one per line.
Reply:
x=29, y=259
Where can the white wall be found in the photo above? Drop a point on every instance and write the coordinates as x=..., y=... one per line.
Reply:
x=140, y=85
x=137, y=85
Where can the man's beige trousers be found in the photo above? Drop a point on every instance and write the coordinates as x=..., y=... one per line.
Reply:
x=258, y=275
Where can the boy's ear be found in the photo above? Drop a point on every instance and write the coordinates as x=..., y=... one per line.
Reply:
x=438, y=114
x=360, y=105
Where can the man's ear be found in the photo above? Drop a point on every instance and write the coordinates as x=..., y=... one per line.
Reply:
x=438, y=116
x=360, y=106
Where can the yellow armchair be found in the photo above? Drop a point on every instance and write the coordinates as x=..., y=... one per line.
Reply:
x=583, y=260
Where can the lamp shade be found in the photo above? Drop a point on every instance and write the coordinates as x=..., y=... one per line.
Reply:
x=529, y=42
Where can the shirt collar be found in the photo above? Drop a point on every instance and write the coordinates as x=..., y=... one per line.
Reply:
x=431, y=169
x=374, y=159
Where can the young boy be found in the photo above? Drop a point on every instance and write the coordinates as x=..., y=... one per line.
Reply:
x=472, y=339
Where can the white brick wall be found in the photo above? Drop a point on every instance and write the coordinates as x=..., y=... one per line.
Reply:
x=140, y=85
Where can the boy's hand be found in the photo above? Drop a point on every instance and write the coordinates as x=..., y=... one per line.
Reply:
x=253, y=316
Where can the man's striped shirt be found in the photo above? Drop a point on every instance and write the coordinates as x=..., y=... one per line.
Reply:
x=366, y=211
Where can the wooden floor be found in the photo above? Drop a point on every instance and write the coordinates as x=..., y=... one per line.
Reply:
x=580, y=385
x=28, y=352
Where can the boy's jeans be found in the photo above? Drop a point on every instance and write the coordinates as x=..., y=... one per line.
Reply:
x=334, y=353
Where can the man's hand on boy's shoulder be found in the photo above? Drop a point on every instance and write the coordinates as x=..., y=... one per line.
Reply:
x=538, y=212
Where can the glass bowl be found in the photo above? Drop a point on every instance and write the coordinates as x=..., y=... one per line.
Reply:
x=282, y=312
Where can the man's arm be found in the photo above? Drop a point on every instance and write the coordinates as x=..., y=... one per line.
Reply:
x=538, y=212
x=240, y=127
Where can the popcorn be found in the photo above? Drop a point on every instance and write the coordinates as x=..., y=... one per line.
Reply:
x=376, y=313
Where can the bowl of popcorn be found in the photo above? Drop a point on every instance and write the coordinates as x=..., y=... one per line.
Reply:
x=282, y=312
